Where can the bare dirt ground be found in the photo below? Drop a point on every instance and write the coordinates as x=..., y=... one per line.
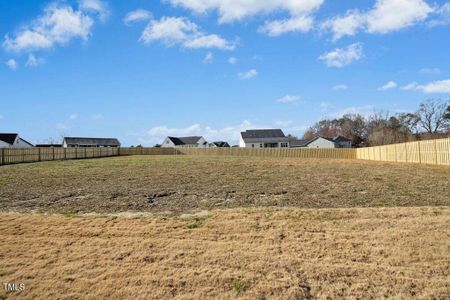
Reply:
x=179, y=184
x=259, y=253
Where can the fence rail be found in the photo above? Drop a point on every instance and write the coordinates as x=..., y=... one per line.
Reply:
x=435, y=152
x=24, y=155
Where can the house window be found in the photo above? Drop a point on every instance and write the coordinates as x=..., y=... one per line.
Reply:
x=284, y=145
x=260, y=145
x=253, y=145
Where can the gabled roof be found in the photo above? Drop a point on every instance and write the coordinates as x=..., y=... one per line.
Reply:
x=340, y=138
x=221, y=144
x=8, y=138
x=92, y=141
x=188, y=140
x=262, y=134
x=299, y=143
x=320, y=137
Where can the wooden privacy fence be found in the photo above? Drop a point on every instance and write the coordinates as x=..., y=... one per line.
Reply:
x=436, y=152
x=274, y=152
x=24, y=155
x=148, y=151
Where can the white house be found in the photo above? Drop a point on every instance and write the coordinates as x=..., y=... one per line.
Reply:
x=263, y=138
x=322, y=142
x=185, y=142
x=12, y=140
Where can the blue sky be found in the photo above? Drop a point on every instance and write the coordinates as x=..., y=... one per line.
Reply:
x=140, y=70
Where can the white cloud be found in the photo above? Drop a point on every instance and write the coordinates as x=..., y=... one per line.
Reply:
x=12, y=64
x=431, y=71
x=180, y=31
x=294, y=24
x=342, y=57
x=442, y=16
x=137, y=15
x=386, y=16
x=441, y=86
x=57, y=26
x=365, y=110
x=73, y=117
x=288, y=99
x=340, y=87
x=97, y=117
x=209, y=57
x=349, y=24
x=393, y=15
x=232, y=60
x=413, y=86
x=434, y=87
x=248, y=75
x=95, y=6
x=236, y=10
x=33, y=61
x=388, y=86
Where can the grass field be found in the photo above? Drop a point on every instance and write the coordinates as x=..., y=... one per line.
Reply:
x=178, y=184
x=225, y=227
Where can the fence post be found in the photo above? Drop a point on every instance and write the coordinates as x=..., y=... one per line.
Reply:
x=65, y=153
x=3, y=156
x=118, y=151
x=85, y=152
x=39, y=154
x=53, y=153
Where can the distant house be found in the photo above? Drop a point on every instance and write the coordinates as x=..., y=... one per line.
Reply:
x=343, y=142
x=185, y=142
x=48, y=145
x=75, y=142
x=263, y=138
x=13, y=140
x=219, y=144
x=322, y=142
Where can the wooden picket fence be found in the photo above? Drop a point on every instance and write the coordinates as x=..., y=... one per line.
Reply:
x=148, y=151
x=273, y=152
x=435, y=152
x=24, y=155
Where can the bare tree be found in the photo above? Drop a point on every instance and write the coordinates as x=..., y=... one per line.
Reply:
x=431, y=116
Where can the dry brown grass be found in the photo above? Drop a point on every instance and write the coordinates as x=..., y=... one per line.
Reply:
x=179, y=184
x=265, y=253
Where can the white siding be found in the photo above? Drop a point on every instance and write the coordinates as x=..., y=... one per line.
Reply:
x=18, y=143
x=322, y=143
x=167, y=143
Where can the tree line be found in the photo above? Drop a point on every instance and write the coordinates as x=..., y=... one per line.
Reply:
x=430, y=121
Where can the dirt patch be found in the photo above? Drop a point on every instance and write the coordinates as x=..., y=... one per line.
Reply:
x=184, y=184
x=264, y=253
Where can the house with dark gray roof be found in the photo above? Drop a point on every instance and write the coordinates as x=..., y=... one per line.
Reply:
x=263, y=138
x=185, y=142
x=13, y=140
x=83, y=142
x=219, y=144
